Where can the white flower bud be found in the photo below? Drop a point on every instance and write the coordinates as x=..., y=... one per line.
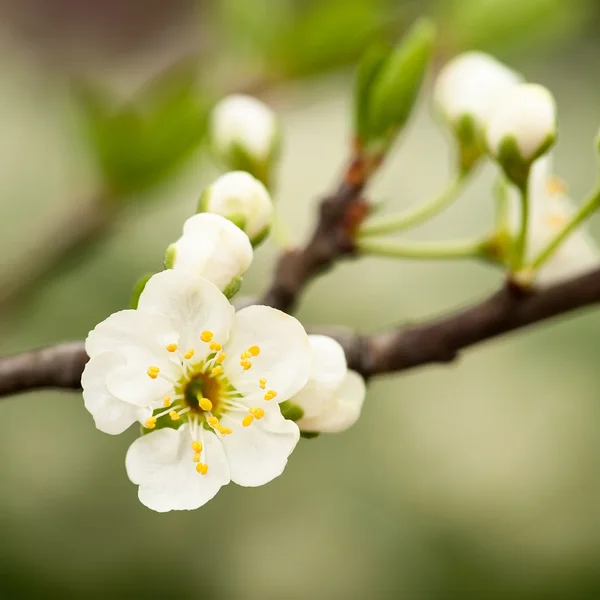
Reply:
x=521, y=128
x=213, y=247
x=333, y=396
x=242, y=199
x=245, y=134
x=466, y=92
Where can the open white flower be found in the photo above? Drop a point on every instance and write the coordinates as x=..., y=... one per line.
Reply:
x=213, y=247
x=333, y=396
x=185, y=358
x=470, y=85
x=243, y=200
x=244, y=133
x=550, y=210
x=524, y=122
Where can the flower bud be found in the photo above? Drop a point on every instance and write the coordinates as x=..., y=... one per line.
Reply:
x=466, y=92
x=245, y=135
x=333, y=396
x=521, y=128
x=242, y=199
x=213, y=247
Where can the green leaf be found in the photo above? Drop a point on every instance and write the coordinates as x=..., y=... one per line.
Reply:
x=399, y=81
x=368, y=69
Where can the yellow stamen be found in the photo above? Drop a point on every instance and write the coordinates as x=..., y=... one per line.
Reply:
x=257, y=413
x=263, y=383
x=207, y=336
x=172, y=348
x=189, y=354
x=214, y=346
x=150, y=423
x=174, y=415
x=247, y=420
x=225, y=430
x=245, y=354
x=196, y=457
x=221, y=357
x=197, y=446
x=217, y=370
x=167, y=401
x=213, y=421
x=202, y=468
x=254, y=350
x=205, y=404
x=153, y=372
x=270, y=395
x=246, y=364
x=555, y=186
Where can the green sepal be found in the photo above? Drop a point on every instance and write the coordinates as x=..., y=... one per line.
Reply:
x=238, y=219
x=203, y=201
x=368, y=69
x=138, y=288
x=514, y=165
x=309, y=435
x=233, y=288
x=399, y=81
x=170, y=255
x=291, y=411
x=260, y=237
x=471, y=147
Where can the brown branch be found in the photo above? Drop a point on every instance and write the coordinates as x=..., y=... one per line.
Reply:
x=435, y=341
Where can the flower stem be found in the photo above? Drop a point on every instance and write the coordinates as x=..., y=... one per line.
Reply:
x=520, y=247
x=477, y=248
x=418, y=214
x=590, y=205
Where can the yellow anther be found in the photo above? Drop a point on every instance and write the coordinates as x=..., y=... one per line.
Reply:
x=263, y=383
x=555, y=186
x=174, y=415
x=214, y=346
x=257, y=413
x=221, y=357
x=270, y=395
x=205, y=404
x=153, y=372
x=247, y=420
x=197, y=446
x=217, y=370
x=245, y=354
x=150, y=423
x=213, y=421
x=167, y=401
x=207, y=336
x=196, y=457
x=202, y=468
x=172, y=348
x=189, y=354
x=225, y=430
x=254, y=350
x=246, y=364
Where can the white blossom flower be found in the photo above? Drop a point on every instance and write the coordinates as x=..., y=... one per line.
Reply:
x=333, y=396
x=550, y=210
x=185, y=358
x=470, y=85
x=213, y=247
x=243, y=200
x=527, y=117
x=244, y=133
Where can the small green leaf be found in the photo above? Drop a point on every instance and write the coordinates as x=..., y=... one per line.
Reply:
x=138, y=288
x=399, y=81
x=368, y=69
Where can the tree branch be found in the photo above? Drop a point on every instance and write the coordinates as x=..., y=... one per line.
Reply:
x=438, y=340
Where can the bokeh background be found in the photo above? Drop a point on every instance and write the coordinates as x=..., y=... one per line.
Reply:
x=477, y=480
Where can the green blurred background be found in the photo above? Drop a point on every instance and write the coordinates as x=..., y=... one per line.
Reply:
x=478, y=480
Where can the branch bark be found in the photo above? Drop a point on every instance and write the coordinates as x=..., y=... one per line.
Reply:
x=438, y=340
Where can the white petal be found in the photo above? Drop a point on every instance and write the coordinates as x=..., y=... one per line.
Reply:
x=245, y=121
x=258, y=453
x=193, y=304
x=130, y=331
x=327, y=372
x=131, y=383
x=527, y=113
x=214, y=248
x=284, y=359
x=344, y=409
x=471, y=84
x=161, y=464
x=111, y=415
